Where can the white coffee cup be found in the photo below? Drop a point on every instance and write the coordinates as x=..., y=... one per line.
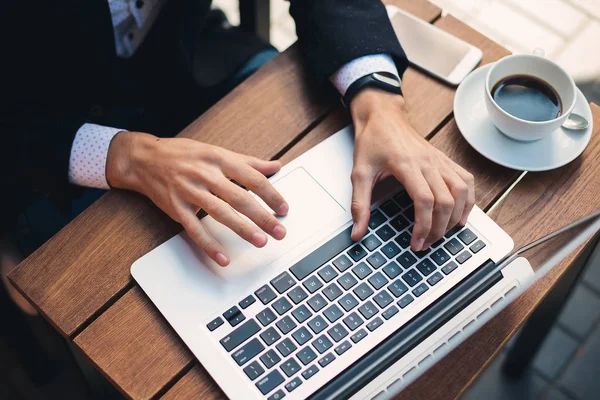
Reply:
x=542, y=68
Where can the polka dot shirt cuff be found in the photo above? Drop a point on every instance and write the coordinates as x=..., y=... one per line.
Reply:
x=356, y=69
x=87, y=164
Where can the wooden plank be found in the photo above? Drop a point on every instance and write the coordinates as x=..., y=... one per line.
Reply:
x=541, y=203
x=195, y=385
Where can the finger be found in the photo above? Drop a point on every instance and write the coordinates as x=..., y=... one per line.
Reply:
x=459, y=191
x=418, y=189
x=246, y=204
x=203, y=238
x=265, y=167
x=255, y=181
x=469, y=179
x=362, y=185
x=443, y=205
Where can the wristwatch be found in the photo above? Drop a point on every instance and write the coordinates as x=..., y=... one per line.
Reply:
x=382, y=80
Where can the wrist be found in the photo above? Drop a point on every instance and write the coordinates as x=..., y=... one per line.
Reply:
x=125, y=158
x=372, y=101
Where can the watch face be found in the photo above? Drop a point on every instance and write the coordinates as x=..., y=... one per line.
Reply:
x=386, y=78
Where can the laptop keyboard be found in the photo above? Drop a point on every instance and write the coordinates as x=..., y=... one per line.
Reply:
x=333, y=298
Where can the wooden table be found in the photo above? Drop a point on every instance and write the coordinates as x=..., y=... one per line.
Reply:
x=80, y=279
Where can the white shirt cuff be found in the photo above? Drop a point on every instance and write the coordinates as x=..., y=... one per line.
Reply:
x=87, y=163
x=362, y=66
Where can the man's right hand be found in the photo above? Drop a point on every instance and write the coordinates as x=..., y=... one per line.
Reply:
x=182, y=176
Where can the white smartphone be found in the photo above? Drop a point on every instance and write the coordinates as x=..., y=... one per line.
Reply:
x=433, y=50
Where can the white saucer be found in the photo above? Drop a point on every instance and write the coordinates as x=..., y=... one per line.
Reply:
x=553, y=151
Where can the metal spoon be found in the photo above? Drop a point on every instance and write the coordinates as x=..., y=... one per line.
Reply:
x=575, y=122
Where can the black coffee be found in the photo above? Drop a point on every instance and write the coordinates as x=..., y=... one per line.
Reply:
x=527, y=97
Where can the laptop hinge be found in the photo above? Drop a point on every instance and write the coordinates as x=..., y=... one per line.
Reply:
x=372, y=364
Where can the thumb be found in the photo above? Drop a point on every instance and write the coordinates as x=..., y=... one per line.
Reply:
x=362, y=183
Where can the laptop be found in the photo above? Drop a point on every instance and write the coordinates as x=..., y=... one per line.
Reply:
x=317, y=315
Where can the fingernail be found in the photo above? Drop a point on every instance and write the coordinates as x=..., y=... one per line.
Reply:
x=283, y=209
x=222, y=259
x=259, y=239
x=419, y=244
x=353, y=229
x=279, y=232
x=463, y=220
x=426, y=246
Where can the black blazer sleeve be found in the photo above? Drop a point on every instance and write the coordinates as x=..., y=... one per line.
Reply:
x=332, y=33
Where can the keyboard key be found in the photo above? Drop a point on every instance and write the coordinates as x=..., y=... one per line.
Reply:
x=410, y=213
x=451, y=266
x=283, y=282
x=214, y=324
x=337, y=333
x=390, y=250
x=353, y=321
x=269, y=382
x=377, y=219
x=397, y=288
x=332, y=292
x=392, y=270
x=235, y=321
x=422, y=253
x=376, y=323
x=357, y=252
x=265, y=294
x=322, y=344
x=406, y=259
x=301, y=314
x=317, y=302
x=247, y=302
x=317, y=324
x=282, y=305
x=452, y=231
x=399, y=223
x=462, y=257
x=254, y=370
x=426, y=267
x=368, y=310
x=404, y=240
x=327, y=273
x=240, y=335
x=348, y=302
x=342, y=263
x=280, y=394
x=435, y=278
x=362, y=270
x=320, y=256
x=231, y=313
x=371, y=242
x=302, y=335
x=358, y=336
x=412, y=277
x=326, y=360
x=477, y=246
x=453, y=246
x=266, y=316
x=390, y=208
x=406, y=300
x=376, y=260
x=248, y=351
x=312, y=284
x=342, y=348
x=419, y=290
x=333, y=313
x=286, y=324
x=313, y=369
x=286, y=347
x=290, y=367
x=403, y=199
x=467, y=236
x=306, y=355
x=347, y=281
x=390, y=312
x=440, y=256
x=382, y=299
x=270, y=336
x=270, y=358
x=378, y=281
x=363, y=291
x=438, y=243
x=297, y=294
x=293, y=384
x=385, y=233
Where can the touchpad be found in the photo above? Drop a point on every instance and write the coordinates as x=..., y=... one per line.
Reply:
x=311, y=207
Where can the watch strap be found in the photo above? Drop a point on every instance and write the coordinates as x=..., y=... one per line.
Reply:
x=382, y=80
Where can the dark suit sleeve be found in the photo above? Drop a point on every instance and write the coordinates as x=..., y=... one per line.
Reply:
x=332, y=33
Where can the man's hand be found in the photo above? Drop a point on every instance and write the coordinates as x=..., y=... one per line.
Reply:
x=386, y=144
x=182, y=176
